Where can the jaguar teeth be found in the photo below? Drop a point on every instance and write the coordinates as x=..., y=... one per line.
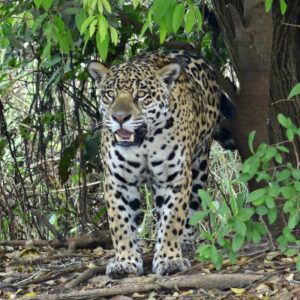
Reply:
x=131, y=139
x=119, y=139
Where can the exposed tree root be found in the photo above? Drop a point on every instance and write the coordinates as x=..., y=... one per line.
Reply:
x=143, y=284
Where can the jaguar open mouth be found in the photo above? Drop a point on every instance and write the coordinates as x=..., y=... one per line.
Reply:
x=128, y=138
x=124, y=137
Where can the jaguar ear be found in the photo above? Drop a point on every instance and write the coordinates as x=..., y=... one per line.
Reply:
x=97, y=70
x=169, y=73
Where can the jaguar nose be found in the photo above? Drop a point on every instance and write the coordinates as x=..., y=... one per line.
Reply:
x=121, y=118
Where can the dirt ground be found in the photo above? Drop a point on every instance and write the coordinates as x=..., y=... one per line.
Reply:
x=37, y=271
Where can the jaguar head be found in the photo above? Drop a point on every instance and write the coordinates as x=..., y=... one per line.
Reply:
x=133, y=98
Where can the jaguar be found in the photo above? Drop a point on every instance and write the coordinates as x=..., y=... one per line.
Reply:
x=160, y=113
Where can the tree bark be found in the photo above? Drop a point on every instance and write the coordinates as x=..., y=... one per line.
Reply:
x=247, y=31
x=285, y=73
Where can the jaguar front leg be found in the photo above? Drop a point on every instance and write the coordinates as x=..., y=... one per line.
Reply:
x=172, y=205
x=122, y=208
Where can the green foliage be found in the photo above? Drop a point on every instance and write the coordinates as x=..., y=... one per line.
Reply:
x=283, y=6
x=230, y=221
x=295, y=91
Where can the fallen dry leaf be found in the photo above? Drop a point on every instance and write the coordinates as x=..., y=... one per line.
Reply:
x=138, y=295
x=238, y=291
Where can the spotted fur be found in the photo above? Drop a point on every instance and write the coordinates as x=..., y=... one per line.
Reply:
x=160, y=113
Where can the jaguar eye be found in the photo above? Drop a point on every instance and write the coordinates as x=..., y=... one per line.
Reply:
x=140, y=94
x=110, y=94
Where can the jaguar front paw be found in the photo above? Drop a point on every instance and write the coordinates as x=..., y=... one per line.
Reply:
x=170, y=266
x=119, y=269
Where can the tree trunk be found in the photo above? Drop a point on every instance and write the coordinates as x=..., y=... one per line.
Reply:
x=264, y=56
x=285, y=73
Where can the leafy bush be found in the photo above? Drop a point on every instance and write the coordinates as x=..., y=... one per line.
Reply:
x=230, y=221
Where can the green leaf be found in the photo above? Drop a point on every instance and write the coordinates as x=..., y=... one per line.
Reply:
x=144, y=28
x=198, y=216
x=38, y=3
x=297, y=185
x=208, y=236
x=205, y=198
x=37, y=23
x=190, y=19
x=106, y=5
x=282, y=120
x=278, y=158
x=216, y=257
x=102, y=27
x=135, y=3
x=59, y=23
x=100, y=7
x=269, y=154
x=214, y=253
x=260, y=228
x=295, y=91
x=296, y=174
x=93, y=27
x=102, y=46
x=268, y=5
x=290, y=134
x=65, y=42
x=274, y=189
x=47, y=4
x=251, y=164
x=261, y=210
x=283, y=149
x=256, y=195
x=199, y=17
x=272, y=215
x=283, y=7
x=149, y=19
x=237, y=242
x=245, y=213
x=270, y=202
x=289, y=206
x=288, y=235
x=293, y=220
x=245, y=177
x=250, y=140
x=255, y=236
x=240, y=227
x=177, y=18
x=283, y=242
x=162, y=32
x=263, y=176
x=46, y=52
x=283, y=175
x=86, y=23
x=113, y=35
x=288, y=192
x=160, y=8
x=232, y=257
x=262, y=148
